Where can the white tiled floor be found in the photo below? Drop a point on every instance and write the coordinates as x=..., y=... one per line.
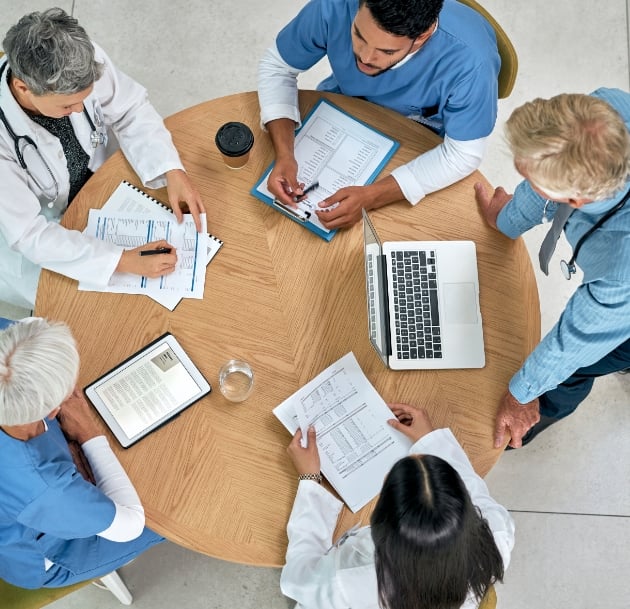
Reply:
x=569, y=491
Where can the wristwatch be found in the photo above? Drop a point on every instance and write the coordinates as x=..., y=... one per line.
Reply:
x=316, y=477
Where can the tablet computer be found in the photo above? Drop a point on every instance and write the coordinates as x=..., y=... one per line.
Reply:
x=147, y=390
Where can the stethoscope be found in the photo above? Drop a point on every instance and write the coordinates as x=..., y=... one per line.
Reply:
x=568, y=268
x=98, y=136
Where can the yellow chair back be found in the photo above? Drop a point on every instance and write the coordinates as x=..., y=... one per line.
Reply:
x=489, y=600
x=12, y=597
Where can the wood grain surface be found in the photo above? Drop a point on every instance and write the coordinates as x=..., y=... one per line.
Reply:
x=217, y=479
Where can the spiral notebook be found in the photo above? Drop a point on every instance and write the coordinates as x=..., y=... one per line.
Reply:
x=128, y=199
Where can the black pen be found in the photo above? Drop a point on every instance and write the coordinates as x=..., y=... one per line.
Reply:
x=155, y=252
x=308, y=189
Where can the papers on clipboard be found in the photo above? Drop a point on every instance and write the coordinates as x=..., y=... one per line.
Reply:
x=130, y=217
x=334, y=150
x=357, y=447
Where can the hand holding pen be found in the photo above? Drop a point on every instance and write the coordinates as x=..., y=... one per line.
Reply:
x=305, y=191
x=300, y=214
x=151, y=260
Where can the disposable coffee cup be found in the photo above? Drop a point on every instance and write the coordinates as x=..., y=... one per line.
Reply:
x=234, y=141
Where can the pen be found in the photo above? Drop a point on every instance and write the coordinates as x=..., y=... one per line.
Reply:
x=159, y=250
x=308, y=189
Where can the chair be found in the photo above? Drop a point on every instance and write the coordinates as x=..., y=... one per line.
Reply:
x=507, y=52
x=12, y=597
x=490, y=599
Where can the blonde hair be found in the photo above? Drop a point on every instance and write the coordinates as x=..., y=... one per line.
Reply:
x=572, y=145
x=39, y=364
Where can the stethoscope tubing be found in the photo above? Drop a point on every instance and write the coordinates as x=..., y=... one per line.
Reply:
x=96, y=138
x=568, y=268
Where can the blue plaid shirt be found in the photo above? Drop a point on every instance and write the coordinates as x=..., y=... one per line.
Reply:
x=596, y=319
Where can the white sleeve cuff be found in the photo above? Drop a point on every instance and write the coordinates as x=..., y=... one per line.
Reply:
x=277, y=88
x=439, y=167
x=112, y=480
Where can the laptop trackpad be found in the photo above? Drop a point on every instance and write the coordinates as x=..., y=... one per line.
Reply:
x=460, y=303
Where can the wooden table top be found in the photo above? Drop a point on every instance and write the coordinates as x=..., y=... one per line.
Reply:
x=217, y=479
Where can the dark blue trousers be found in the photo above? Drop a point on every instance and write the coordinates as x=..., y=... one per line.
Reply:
x=564, y=399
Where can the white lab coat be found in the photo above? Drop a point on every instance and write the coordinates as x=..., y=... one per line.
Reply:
x=30, y=235
x=319, y=575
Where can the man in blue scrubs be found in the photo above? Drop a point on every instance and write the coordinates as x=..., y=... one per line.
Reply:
x=574, y=153
x=434, y=61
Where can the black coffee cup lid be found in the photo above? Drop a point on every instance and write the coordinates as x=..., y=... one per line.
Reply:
x=234, y=139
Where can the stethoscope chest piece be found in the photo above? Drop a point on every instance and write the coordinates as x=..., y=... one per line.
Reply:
x=567, y=268
x=97, y=138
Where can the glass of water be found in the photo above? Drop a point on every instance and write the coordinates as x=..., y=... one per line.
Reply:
x=236, y=380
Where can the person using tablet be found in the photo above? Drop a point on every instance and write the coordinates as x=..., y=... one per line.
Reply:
x=64, y=108
x=437, y=538
x=68, y=511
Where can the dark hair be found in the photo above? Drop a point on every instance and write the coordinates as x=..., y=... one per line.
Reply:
x=432, y=547
x=409, y=18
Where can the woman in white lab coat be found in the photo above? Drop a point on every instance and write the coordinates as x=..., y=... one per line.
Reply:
x=437, y=539
x=64, y=108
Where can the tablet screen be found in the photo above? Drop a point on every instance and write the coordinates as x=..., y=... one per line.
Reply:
x=147, y=389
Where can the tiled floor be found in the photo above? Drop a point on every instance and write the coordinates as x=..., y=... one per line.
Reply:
x=569, y=491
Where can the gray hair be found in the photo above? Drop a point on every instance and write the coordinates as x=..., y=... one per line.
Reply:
x=571, y=145
x=39, y=364
x=51, y=53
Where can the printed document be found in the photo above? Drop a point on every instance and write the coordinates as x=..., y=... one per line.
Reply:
x=134, y=230
x=130, y=200
x=333, y=150
x=357, y=447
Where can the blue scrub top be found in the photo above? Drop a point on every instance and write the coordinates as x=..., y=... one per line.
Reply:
x=47, y=509
x=450, y=83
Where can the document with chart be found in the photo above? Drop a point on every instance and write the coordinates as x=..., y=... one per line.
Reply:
x=129, y=199
x=134, y=230
x=333, y=150
x=357, y=447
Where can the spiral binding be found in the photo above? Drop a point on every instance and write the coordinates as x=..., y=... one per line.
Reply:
x=154, y=200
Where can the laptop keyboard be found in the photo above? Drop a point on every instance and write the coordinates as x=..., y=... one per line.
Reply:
x=371, y=297
x=416, y=315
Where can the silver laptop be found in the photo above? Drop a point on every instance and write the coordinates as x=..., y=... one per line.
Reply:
x=423, y=302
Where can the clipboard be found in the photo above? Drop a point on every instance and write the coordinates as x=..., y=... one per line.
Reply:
x=147, y=390
x=336, y=150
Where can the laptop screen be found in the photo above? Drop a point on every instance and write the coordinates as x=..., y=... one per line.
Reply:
x=375, y=291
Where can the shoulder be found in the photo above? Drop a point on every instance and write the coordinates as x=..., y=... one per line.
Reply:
x=34, y=470
x=100, y=54
x=618, y=99
x=441, y=443
x=101, y=57
x=468, y=31
x=331, y=13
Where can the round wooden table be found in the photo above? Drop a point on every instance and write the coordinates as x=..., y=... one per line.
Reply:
x=217, y=479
